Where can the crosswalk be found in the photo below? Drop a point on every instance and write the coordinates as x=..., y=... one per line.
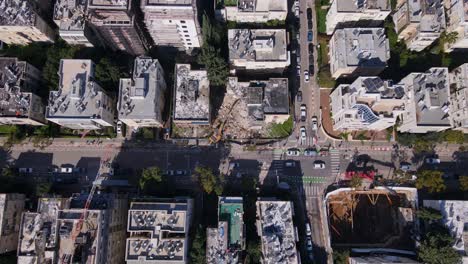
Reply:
x=311, y=190
x=334, y=162
x=309, y=179
x=277, y=153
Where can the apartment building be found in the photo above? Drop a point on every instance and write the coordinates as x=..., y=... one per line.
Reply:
x=21, y=24
x=158, y=231
x=251, y=11
x=457, y=21
x=356, y=13
x=71, y=19
x=369, y=103
x=224, y=243
x=173, y=23
x=18, y=103
x=278, y=246
x=358, y=52
x=38, y=239
x=141, y=99
x=258, y=49
x=11, y=207
x=79, y=102
x=459, y=98
x=382, y=258
x=419, y=22
x=191, y=103
x=428, y=106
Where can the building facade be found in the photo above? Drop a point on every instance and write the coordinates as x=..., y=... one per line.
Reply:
x=141, y=99
x=459, y=98
x=18, y=104
x=173, y=23
x=251, y=11
x=358, y=52
x=347, y=13
x=11, y=207
x=70, y=17
x=80, y=103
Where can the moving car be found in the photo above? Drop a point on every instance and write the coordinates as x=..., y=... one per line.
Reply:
x=310, y=36
x=306, y=76
x=314, y=123
x=298, y=59
x=290, y=163
x=432, y=160
x=296, y=8
x=299, y=96
x=298, y=67
x=25, y=170
x=310, y=152
x=292, y=152
x=119, y=127
x=303, y=113
x=66, y=170
x=308, y=230
x=318, y=164
x=309, y=244
x=303, y=134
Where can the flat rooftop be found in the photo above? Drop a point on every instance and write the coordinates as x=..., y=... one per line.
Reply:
x=430, y=14
x=257, y=44
x=170, y=2
x=360, y=47
x=231, y=210
x=68, y=14
x=277, y=231
x=262, y=5
x=154, y=217
x=192, y=94
x=139, y=96
x=13, y=102
x=16, y=13
x=108, y=3
x=361, y=5
x=78, y=95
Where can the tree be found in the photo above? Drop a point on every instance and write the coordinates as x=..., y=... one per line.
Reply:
x=253, y=252
x=197, y=253
x=355, y=182
x=454, y=136
x=209, y=182
x=107, y=73
x=429, y=214
x=340, y=256
x=436, y=247
x=447, y=38
x=344, y=136
x=463, y=180
x=150, y=175
x=432, y=180
x=60, y=50
x=43, y=189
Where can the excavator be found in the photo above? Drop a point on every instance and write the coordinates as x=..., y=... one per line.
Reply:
x=217, y=135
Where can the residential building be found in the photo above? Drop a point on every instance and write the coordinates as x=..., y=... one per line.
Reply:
x=18, y=103
x=191, y=103
x=38, y=239
x=382, y=258
x=457, y=21
x=455, y=218
x=159, y=231
x=358, y=52
x=369, y=103
x=419, y=22
x=80, y=103
x=278, y=245
x=114, y=23
x=251, y=11
x=71, y=19
x=258, y=49
x=141, y=99
x=173, y=23
x=11, y=207
x=224, y=243
x=428, y=106
x=21, y=24
x=347, y=13
x=459, y=98
x=265, y=102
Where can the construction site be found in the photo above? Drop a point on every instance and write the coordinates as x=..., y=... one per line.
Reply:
x=379, y=217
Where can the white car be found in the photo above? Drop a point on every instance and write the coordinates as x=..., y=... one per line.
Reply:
x=119, y=127
x=303, y=113
x=318, y=164
x=25, y=170
x=308, y=230
x=292, y=152
x=314, y=123
x=298, y=67
x=66, y=170
x=306, y=76
x=303, y=134
x=432, y=161
x=296, y=8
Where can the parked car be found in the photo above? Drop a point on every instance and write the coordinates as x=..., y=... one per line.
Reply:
x=306, y=76
x=310, y=36
x=299, y=96
x=309, y=24
x=298, y=59
x=292, y=152
x=432, y=160
x=310, y=152
x=303, y=113
x=405, y=166
x=318, y=164
x=308, y=230
x=309, y=13
x=314, y=123
x=290, y=163
x=296, y=8
x=311, y=69
x=25, y=170
x=311, y=59
x=311, y=48
x=119, y=127
x=298, y=36
x=303, y=134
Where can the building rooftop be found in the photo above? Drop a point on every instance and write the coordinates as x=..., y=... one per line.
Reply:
x=170, y=2
x=262, y=5
x=363, y=47
x=277, y=231
x=192, y=94
x=361, y=5
x=69, y=14
x=138, y=96
x=258, y=44
x=109, y=3
x=13, y=102
x=78, y=95
x=16, y=13
x=431, y=96
x=430, y=14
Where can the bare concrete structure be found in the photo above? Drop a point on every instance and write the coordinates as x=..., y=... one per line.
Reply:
x=251, y=11
x=21, y=24
x=459, y=98
x=173, y=23
x=159, y=231
x=18, y=104
x=141, y=99
x=80, y=103
x=11, y=207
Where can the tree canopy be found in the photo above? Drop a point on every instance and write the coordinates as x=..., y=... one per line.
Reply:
x=436, y=247
x=430, y=180
x=197, y=252
x=151, y=175
x=340, y=256
x=463, y=183
x=209, y=182
x=429, y=214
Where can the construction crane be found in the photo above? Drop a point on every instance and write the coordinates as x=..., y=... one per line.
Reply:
x=217, y=135
x=105, y=163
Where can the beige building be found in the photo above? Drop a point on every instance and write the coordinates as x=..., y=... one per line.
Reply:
x=251, y=11
x=457, y=21
x=369, y=103
x=351, y=13
x=18, y=103
x=419, y=22
x=20, y=24
x=427, y=108
x=70, y=17
x=358, y=52
x=80, y=103
x=173, y=23
x=258, y=49
x=159, y=231
x=11, y=207
x=459, y=98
